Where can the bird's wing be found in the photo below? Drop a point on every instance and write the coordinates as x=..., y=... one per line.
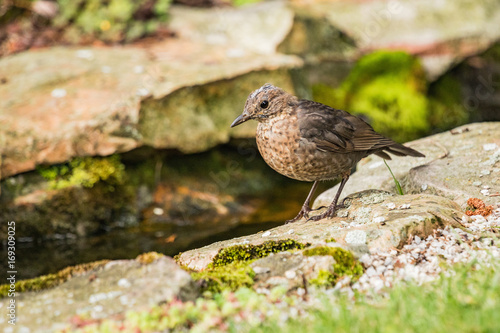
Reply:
x=336, y=130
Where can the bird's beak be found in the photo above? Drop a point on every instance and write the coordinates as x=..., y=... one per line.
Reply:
x=240, y=120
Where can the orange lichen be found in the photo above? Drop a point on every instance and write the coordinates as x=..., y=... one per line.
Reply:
x=478, y=207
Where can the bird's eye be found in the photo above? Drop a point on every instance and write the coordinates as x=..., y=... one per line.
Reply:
x=264, y=104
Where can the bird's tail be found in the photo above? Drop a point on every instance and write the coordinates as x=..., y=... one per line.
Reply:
x=398, y=150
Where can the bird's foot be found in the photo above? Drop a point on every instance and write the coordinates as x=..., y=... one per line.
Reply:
x=304, y=212
x=330, y=212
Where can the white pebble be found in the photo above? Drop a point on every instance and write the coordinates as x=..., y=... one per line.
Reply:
x=379, y=219
x=266, y=234
x=485, y=172
x=424, y=187
x=417, y=240
x=391, y=205
x=158, y=211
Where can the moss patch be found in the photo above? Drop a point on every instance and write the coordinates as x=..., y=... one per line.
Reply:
x=249, y=252
x=389, y=89
x=345, y=264
x=51, y=280
x=231, y=276
x=230, y=268
x=85, y=172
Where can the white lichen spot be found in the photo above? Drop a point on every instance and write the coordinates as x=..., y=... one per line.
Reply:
x=138, y=69
x=478, y=183
x=124, y=283
x=379, y=219
x=85, y=54
x=391, y=205
x=356, y=237
x=58, y=93
x=142, y=92
x=266, y=234
x=291, y=231
x=485, y=172
x=261, y=270
x=404, y=206
x=490, y=146
x=375, y=164
x=290, y=274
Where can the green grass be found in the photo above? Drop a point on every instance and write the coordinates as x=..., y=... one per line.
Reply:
x=466, y=302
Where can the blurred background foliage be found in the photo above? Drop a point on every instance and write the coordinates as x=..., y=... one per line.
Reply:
x=36, y=23
x=27, y=24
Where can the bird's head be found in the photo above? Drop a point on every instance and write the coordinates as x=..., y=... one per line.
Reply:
x=264, y=103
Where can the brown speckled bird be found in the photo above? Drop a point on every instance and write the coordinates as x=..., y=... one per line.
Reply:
x=310, y=141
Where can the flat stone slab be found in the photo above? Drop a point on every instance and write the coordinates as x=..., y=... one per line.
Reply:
x=119, y=286
x=63, y=102
x=459, y=164
x=373, y=220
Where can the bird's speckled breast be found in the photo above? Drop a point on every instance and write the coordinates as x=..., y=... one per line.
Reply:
x=281, y=146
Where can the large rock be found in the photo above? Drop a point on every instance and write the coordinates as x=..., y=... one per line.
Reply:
x=459, y=164
x=373, y=220
x=441, y=33
x=63, y=102
x=112, y=290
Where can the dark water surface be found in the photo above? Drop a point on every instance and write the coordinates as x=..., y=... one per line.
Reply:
x=34, y=259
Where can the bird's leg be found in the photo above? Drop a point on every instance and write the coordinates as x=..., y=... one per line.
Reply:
x=304, y=211
x=330, y=212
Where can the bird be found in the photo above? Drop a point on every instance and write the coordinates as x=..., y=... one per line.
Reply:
x=312, y=142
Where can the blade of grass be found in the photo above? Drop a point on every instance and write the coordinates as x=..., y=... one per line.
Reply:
x=399, y=190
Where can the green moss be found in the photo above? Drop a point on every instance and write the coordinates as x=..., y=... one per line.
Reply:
x=345, y=264
x=249, y=252
x=330, y=240
x=51, y=280
x=85, y=172
x=389, y=89
x=230, y=268
x=231, y=276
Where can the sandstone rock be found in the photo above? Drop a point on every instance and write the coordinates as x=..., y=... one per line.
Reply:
x=373, y=220
x=59, y=103
x=459, y=164
x=112, y=290
x=440, y=33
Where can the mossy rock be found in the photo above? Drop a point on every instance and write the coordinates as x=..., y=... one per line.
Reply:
x=51, y=280
x=345, y=265
x=388, y=88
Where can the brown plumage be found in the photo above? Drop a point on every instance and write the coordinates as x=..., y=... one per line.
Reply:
x=310, y=141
